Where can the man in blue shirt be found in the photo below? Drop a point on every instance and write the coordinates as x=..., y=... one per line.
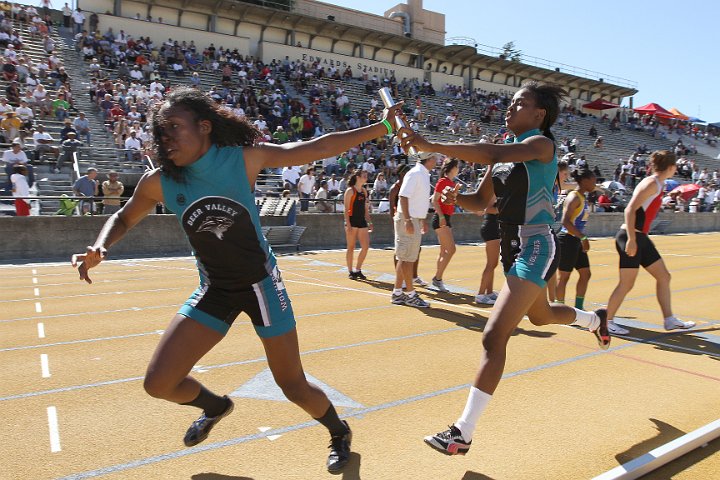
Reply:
x=87, y=186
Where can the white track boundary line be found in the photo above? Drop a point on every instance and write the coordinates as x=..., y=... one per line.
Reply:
x=44, y=365
x=654, y=459
x=54, y=430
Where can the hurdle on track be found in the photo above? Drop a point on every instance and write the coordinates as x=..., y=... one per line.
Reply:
x=658, y=457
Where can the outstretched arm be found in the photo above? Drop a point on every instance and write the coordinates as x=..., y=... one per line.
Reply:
x=536, y=147
x=476, y=201
x=147, y=195
x=270, y=155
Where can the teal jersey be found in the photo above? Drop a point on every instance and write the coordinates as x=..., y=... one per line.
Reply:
x=216, y=208
x=524, y=190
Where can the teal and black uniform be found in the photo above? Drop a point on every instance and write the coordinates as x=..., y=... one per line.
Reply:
x=238, y=272
x=524, y=192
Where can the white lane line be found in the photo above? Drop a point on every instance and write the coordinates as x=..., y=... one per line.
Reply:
x=34, y=280
x=38, y=307
x=41, y=330
x=34, y=272
x=54, y=431
x=44, y=365
x=37, y=292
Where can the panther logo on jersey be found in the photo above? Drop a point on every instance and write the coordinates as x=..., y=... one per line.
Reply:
x=216, y=225
x=502, y=171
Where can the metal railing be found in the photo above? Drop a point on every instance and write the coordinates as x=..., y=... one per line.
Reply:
x=544, y=63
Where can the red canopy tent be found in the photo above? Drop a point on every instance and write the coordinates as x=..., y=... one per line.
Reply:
x=654, y=109
x=600, y=104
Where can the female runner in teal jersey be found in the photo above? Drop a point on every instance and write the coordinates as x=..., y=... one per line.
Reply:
x=522, y=177
x=208, y=166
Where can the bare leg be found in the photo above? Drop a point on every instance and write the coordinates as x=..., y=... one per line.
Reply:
x=364, y=238
x=447, y=250
x=403, y=273
x=662, y=286
x=182, y=345
x=625, y=284
x=514, y=300
x=583, y=281
x=551, y=293
x=562, y=281
x=492, y=257
x=415, y=265
x=350, y=237
x=283, y=354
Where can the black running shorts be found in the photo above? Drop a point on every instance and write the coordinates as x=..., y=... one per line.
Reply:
x=646, y=254
x=571, y=253
x=436, y=221
x=490, y=228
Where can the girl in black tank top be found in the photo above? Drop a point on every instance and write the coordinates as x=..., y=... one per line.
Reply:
x=357, y=215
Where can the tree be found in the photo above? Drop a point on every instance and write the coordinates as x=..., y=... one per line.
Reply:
x=511, y=53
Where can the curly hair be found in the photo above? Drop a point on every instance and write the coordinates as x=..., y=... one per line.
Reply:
x=548, y=97
x=227, y=128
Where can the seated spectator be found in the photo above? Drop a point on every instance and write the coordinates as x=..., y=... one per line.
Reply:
x=133, y=145
x=82, y=127
x=604, y=203
x=15, y=156
x=9, y=71
x=69, y=146
x=60, y=108
x=67, y=127
x=12, y=93
x=321, y=204
x=280, y=136
x=26, y=116
x=10, y=126
x=43, y=144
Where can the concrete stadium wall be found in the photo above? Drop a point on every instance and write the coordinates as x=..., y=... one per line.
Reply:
x=161, y=32
x=29, y=239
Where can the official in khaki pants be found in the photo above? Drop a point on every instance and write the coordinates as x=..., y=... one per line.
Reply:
x=410, y=224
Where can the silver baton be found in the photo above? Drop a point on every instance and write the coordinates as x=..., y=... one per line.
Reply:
x=389, y=101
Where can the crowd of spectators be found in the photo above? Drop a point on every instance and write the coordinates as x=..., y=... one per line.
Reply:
x=129, y=75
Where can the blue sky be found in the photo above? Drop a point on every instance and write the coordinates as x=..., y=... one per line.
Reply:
x=667, y=47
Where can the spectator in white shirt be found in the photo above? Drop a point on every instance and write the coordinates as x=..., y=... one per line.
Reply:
x=321, y=205
x=133, y=145
x=43, y=143
x=306, y=184
x=20, y=188
x=368, y=166
x=15, y=156
x=333, y=185
x=291, y=175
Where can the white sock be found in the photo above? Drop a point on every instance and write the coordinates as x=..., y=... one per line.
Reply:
x=476, y=403
x=410, y=293
x=355, y=270
x=397, y=291
x=586, y=319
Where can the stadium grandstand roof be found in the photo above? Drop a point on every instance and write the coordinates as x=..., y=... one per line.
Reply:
x=465, y=55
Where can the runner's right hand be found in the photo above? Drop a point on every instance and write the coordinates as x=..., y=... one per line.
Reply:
x=91, y=258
